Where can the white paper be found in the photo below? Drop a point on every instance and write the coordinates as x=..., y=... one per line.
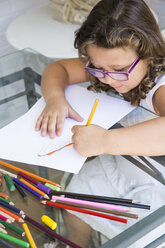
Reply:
x=20, y=142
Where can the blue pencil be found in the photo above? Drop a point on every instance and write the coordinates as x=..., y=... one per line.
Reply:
x=6, y=244
x=28, y=188
x=17, y=210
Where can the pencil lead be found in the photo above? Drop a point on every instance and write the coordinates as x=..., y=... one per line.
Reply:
x=21, y=220
x=46, y=197
x=23, y=216
x=11, y=203
x=21, y=212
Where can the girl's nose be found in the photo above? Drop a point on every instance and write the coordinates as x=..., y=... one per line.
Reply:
x=109, y=80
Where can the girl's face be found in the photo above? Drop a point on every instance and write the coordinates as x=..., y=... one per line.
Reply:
x=118, y=60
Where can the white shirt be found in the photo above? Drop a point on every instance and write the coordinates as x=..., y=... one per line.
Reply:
x=147, y=102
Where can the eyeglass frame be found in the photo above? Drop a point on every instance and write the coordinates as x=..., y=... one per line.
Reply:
x=104, y=73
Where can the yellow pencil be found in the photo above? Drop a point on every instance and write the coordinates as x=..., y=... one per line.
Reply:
x=29, y=236
x=92, y=112
x=87, y=124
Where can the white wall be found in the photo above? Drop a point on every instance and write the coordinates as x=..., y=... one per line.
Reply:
x=159, y=8
x=9, y=10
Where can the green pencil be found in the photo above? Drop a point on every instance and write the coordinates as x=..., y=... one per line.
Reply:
x=9, y=182
x=7, y=201
x=12, y=227
x=14, y=240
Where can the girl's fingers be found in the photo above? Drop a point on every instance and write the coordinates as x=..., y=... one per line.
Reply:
x=38, y=123
x=74, y=115
x=44, y=126
x=59, y=125
x=51, y=127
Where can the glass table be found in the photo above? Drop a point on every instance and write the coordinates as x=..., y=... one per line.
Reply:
x=20, y=77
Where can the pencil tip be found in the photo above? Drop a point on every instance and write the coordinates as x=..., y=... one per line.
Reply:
x=21, y=220
x=41, y=155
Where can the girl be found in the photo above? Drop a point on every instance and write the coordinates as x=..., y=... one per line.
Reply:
x=122, y=50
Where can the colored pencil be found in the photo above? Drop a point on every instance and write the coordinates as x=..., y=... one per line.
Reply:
x=12, y=227
x=90, y=203
x=59, y=205
x=115, y=212
x=7, y=216
x=28, y=173
x=16, y=217
x=1, y=225
x=52, y=187
x=29, y=236
x=14, y=240
x=9, y=182
x=2, y=217
x=4, y=195
x=39, y=185
x=9, y=173
x=44, y=188
x=132, y=205
x=7, y=201
x=17, y=210
x=6, y=244
x=20, y=190
x=30, y=179
x=50, y=232
x=3, y=230
x=92, y=112
x=34, y=188
x=79, y=195
x=28, y=189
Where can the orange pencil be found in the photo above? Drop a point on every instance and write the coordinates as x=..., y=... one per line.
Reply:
x=34, y=188
x=17, y=218
x=28, y=173
x=4, y=196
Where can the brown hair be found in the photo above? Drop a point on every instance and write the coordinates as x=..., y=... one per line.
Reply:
x=122, y=23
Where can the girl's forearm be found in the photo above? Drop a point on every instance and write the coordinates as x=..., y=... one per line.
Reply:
x=146, y=138
x=54, y=81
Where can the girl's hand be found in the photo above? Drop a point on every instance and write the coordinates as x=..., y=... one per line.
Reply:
x=89, y=140
x=52, y=118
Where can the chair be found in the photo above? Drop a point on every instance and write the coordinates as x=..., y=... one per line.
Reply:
x=37, y=30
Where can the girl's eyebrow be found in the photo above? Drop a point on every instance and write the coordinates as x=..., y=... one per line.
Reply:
x=113, y=66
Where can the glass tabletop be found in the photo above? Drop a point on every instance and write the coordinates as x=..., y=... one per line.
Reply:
x=20, y=77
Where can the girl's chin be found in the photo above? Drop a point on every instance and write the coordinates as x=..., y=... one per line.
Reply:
x=121, y=90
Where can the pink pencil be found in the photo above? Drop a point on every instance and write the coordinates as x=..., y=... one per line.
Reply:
x=4, y=218
x=90, y=203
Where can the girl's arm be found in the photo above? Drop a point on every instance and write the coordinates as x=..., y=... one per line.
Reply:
x=54, y=81
x=146, y=138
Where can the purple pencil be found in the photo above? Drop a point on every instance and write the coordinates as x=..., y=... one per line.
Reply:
x=50, y=232
x=38, y=184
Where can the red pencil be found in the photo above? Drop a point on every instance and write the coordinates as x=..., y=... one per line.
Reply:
x=107, y=216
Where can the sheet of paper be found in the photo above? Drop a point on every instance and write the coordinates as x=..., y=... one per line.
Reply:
x=20, y=142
